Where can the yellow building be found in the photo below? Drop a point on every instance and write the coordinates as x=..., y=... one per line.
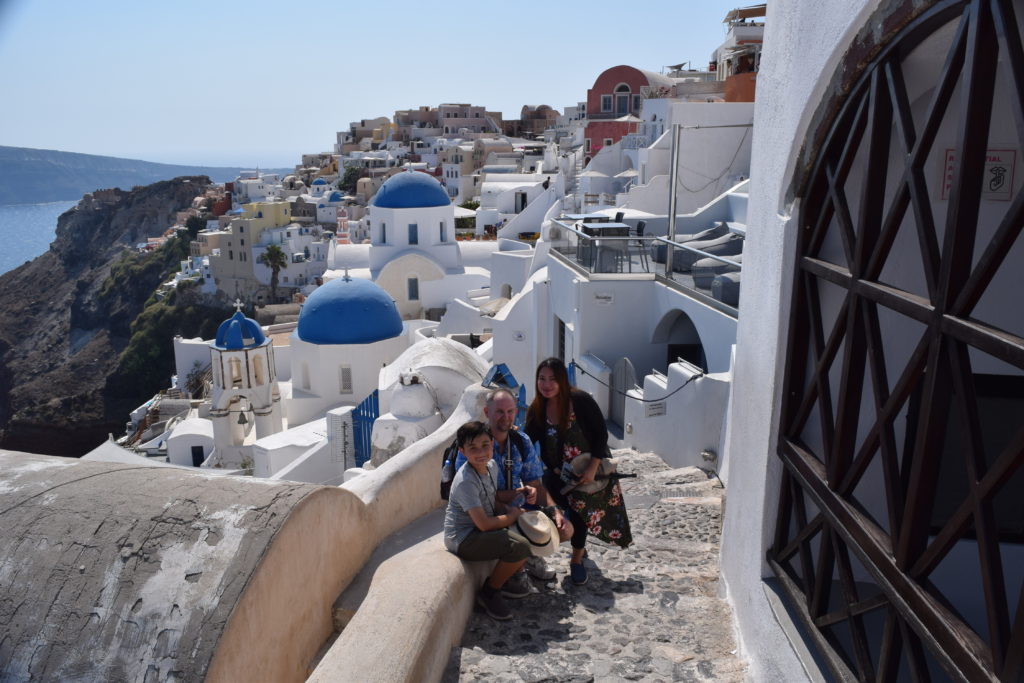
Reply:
x=232, y=267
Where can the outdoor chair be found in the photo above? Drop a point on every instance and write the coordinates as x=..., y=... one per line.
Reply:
x=704, y=270
x=726, y=245
x=638, y=233
x=718, y=230
x=726, y=288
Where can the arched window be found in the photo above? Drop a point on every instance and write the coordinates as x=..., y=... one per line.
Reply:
x=899, y=536
x=235, y=366
x=622, y=99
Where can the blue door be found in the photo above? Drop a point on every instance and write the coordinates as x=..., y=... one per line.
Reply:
x=363, y=417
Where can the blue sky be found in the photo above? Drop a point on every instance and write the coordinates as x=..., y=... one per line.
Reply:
x=259, y=83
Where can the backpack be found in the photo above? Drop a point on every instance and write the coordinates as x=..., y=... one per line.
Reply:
x=451, y=454
x=448, y=468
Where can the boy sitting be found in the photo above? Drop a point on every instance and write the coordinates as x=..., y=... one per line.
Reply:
x=473, y=529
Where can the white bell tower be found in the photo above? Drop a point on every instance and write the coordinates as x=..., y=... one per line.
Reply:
x=245, y=392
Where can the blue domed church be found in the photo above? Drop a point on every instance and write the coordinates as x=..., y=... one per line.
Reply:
x=347, y=331
x=413, y=254
x=245, y=400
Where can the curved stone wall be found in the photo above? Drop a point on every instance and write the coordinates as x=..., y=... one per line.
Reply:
x=118, y=572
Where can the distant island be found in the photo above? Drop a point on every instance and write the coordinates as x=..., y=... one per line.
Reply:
x=34, y=176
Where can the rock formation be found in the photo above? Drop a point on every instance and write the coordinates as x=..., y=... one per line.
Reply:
x=64, y=322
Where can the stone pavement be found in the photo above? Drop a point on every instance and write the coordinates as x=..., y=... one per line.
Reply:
x=648, y=613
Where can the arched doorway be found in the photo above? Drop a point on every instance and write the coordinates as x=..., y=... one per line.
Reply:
x=682, y=341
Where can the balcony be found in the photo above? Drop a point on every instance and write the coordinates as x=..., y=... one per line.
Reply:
x=608, y=254
x=636, y=141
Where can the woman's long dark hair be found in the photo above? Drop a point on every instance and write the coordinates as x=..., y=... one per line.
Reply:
x=538, y=408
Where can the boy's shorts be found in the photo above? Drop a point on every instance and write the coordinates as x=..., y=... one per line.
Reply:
x=498, y=544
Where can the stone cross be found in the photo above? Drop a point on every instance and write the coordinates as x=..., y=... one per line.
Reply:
x=238, y=305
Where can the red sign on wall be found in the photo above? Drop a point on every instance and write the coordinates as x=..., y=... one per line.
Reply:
x=997, y=178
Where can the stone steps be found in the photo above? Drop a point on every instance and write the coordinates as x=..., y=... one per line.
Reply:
x=648, y=613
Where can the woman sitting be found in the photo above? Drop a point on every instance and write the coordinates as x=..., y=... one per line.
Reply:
x=567, y=423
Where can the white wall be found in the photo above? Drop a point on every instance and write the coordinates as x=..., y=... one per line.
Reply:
x=181, y=441
x=439, y=293
x=324, y=361
x=711, y=157
x=788, y=91
x=187, y=353
x=461, y=317
x=531, y=218
x=509, y=268
x=612, y=325
x=691, y=421
x=519, y=341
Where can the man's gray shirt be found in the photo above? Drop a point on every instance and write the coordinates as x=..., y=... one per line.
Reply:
x=470, y=489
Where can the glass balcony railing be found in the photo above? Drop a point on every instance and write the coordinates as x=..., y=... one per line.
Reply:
x=601, y=248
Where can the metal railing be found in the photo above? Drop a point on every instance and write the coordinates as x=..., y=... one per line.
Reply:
x=641, y=257
x=606, y=254
x=679, y=265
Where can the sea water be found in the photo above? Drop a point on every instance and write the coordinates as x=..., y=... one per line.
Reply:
x=26, y=231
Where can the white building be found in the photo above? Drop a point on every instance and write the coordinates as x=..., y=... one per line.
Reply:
x=256, y=187
x=347, y=331
x=413, y=253
x=307, y=255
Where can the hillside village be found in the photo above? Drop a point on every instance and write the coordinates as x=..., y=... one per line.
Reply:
x=781, y=275
x=460, y=217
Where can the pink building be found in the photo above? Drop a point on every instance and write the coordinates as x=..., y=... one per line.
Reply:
x=617, y=93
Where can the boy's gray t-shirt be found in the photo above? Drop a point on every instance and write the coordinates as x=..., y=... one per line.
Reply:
x=470, y=489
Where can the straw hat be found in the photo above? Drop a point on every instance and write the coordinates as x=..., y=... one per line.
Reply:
x=579, y=465
x=539, y=530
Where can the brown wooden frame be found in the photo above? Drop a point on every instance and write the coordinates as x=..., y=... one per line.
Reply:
x=813, y=550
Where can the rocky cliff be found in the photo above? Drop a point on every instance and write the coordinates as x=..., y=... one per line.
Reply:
x=67, y=316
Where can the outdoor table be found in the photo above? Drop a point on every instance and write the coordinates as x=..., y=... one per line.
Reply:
x=598, y=256
x=600, y=229
x=589, y=217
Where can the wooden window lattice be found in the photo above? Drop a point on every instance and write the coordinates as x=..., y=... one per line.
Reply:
x=874, y=434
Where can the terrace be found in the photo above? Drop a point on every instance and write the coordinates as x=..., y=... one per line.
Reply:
x=706, y=265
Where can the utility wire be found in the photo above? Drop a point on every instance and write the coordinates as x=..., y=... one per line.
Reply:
x=641, y=400
x=724, y=170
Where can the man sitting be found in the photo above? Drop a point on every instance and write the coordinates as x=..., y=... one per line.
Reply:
x=476, y=525
x=515, y=454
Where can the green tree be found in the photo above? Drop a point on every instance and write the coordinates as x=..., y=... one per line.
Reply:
x=350, y=178
x=275, y=259
x=194, y=225
x=465, y=224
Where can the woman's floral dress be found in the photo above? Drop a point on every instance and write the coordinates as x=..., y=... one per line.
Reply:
x=603, y=511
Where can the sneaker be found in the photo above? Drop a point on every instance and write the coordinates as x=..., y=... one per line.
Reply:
x=493, y=604
x=517, y=586
x=578, y=573
x=539, y=569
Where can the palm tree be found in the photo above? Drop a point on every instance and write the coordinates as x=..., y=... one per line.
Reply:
x=275, y=259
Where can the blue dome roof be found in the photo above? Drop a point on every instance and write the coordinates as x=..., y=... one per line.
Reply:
x=319, y=181
x=349, y=312
x=335, y=196
x=409, y=190
x=238, y=332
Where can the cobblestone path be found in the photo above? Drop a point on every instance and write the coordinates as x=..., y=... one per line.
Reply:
x=648, y=613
